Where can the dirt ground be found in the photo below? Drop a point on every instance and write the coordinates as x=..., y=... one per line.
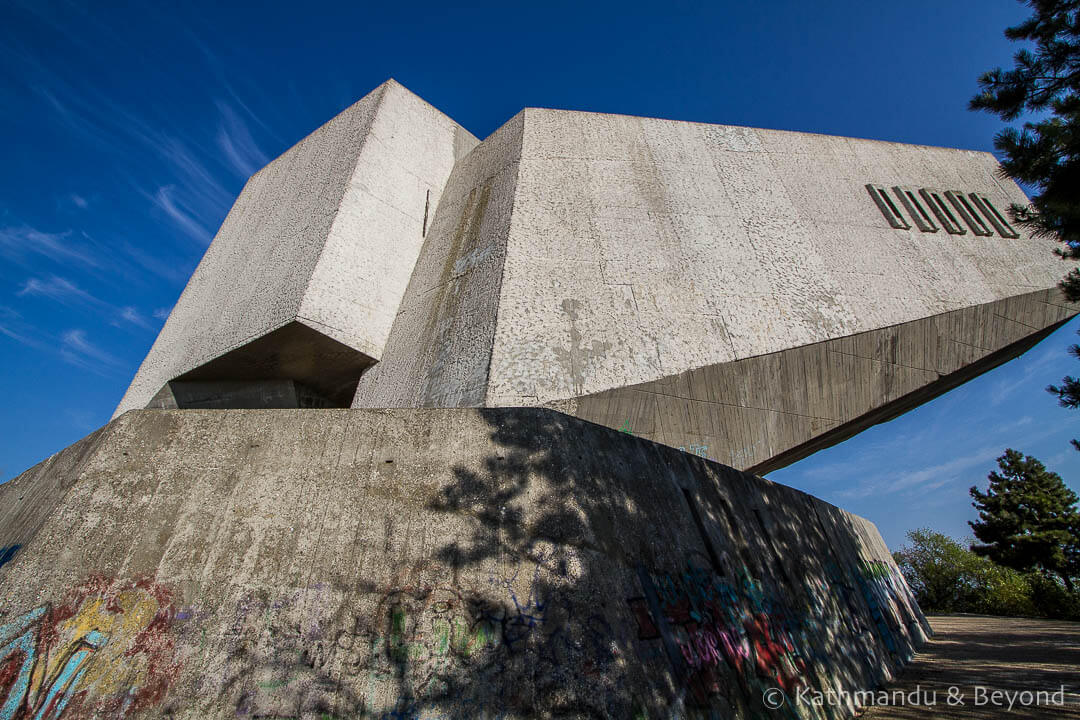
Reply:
x=977, y=655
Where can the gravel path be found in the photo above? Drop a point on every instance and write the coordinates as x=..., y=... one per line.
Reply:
x=977, y=655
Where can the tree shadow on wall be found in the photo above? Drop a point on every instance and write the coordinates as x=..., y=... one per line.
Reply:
x=626, y=579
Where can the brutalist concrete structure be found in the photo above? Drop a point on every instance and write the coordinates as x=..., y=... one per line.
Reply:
x=757, y=292
x=364, y=470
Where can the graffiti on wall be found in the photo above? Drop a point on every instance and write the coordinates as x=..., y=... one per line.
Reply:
x=413, y=651
x=7, y=553
x=699, y=450
x=732, y=639
x=107, y=650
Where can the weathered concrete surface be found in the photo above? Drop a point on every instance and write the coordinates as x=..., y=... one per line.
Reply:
x=640, y=248
x=714, y=286
x=501, y=563
x=978, y=655
x=439, y=350
x=594, y=263
x=631, y=249
x=325, y=236
x=765, y=412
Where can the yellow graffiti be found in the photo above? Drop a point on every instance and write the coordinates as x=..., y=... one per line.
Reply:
x=111, y=672
x=101, y=647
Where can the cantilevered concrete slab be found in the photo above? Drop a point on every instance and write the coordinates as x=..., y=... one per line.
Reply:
x=713, y=286
x=758, y=293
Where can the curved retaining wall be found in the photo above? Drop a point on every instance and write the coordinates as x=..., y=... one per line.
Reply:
x=464, y=563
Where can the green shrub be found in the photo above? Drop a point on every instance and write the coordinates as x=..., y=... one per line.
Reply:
x=946, y=577
x=1051, y=599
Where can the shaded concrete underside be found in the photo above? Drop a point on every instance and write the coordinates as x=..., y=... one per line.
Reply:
x=462, y=563
x=293, y=352
x=765, y=412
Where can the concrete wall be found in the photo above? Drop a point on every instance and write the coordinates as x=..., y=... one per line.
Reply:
x=642, y=248
x=440, y=348
x=505, y=563
x=325, y=235
x=629, y=250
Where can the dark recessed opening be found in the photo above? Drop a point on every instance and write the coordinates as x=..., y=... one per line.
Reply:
x=291, y=367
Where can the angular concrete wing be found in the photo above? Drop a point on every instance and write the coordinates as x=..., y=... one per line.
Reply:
x=754, y=294
x=302, y=281
x=712, y=286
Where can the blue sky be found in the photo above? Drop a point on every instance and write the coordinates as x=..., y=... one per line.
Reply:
x=127, y=132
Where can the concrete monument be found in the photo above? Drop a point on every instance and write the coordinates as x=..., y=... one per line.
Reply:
x=364, y=469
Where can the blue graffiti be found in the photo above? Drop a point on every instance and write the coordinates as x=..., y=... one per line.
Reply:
x=48, y=700
x=699, y=450
x=528, y=614
x=7, y=553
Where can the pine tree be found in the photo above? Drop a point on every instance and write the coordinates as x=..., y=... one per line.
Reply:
x=1068, y=393
x=1044, y=155
x=1028, y=519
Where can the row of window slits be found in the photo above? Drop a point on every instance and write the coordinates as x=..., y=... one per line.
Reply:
x=949, y=207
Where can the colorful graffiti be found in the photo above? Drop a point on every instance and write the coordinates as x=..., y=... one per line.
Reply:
x=535, y=637
x=729, y=636
x=412, y=650
x=528, y=639
x=107, y=650
x=736, y=638
x=699, y=450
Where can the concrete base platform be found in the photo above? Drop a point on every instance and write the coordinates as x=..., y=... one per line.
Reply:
x=462, y=563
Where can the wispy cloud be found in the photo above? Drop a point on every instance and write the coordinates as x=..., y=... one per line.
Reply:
x=218, y=68
x=164, y=200
x=925, y=478
x=61, y=290
x=1033, y=371
x=12, y=326
x=134, y=317
x=17, y=243
x=941, y=473
x=161, y=313
x=72, y=345
x=236, y=142
x=175, y=270
x=79, y=201
x=199, y=181
x=64, y=291
x=78, y=350
x=22, y=338
x=194, y=190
